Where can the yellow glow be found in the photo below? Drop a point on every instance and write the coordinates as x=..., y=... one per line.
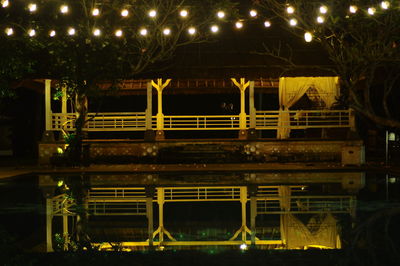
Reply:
x=191, y=30
x=353, y=9
x=239, y=25
x=184, y=13
x=5, y=3
x=385, y=4
x=118, y=33
x=293, y=22
x=60, y=151
x=152, y=13
x=371, y=10
x=9, y=31
x=60, y=183
x=52, y=33
x=95, y=11
x=221, y=14
x=290, y=10
x=243, y=246
x=167, y=31
x=71, y=31
x=253, y=13
x=308, y=36
x=143, y=32
x=267, y=23
x=96, y=32
x=32, y=7
x=214, y=28
x=323, y=9
x=124, y=12
x=31, y=32
x=64, y=9
x=320, y=19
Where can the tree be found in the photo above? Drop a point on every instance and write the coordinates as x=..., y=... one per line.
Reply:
x=361, y=41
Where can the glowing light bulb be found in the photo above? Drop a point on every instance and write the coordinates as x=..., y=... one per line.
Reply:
x=214, y=28
x=143, y=32
x=267, y=23
x=191, y=30
x=52, y=33
x=308, y=36
x=221, y=14
x=290, y=10
x=71, y=31
x=239, y=25
x=371, y=10
x=64, y=9
x=320, y=19
x=118, y=33
x=323, y=9
x=293, y=22
x=124, y=12
x=152, y=13
x=32, y=7
x=243, y=246
x=353, y=9
x=95, y=12
x=385, y=4
x=253, y=13
x=9, y=31
x=5, y=3
x=183, y=13
x=31, y=32
x=96, y=32
x=167, y=31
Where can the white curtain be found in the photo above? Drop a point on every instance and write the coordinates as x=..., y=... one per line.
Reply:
x=291, y=89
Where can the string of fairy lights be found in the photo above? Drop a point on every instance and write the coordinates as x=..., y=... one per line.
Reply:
x=64, y=9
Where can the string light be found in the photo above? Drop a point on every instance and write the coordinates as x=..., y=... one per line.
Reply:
x=308, y=36
x=290, y=10
x=118, y=33
x=323, y=9
x=191, y=30
x=239, y=24
x=52, y=33
x=320, y=19
x=167, y=31
x=371, y=10
x=124, y=12
x=5, y=3
x=293, y=22
x=253, y=13
x=71, y=31
x=152, y=13
x=184, y=13
x=143, y=32
x=267, y=23
x=32, y=7
x=9, y=31
x=64, y=9
x=353, y=9
x=95, y=12
x=96, y=32
x=214, y=28
x=221, y=14
x=385, y=4
x=31, y=32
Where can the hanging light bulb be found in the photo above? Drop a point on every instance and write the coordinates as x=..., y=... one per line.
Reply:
x=239, y=24
x=124, y=12
x=52, y=33
x=95, y=12
x=267, y=23
x=64, y=9
x=143, y=32
x=31, y=32
x=9, y=31
x=96, y=32
x=308, y=36
x=118, y=33
x=290, y=9
x=320, y=19
x=214, y=28
x=253, y=13
x=152, y=13
x=192, y=30
x=5, y=3
x=71, y=31
x=353, y=9
x=385, y=4
x=371, y=10
x=323, y=9
x=293, y=22
x=167, y=31
x=183, y=13
x=32, y=7
x=221, y=14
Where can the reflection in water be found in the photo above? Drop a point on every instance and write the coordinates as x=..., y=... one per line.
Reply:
x=266, y=210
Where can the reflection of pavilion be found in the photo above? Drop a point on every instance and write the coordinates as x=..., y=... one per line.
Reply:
x=259, y=195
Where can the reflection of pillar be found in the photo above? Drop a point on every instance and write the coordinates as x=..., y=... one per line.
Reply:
x=242, y=116
x=159, y=86
x=253, y=215
x=49, y=224
x=65, y=228
x=160, y=200
x=284, y=202
x=243, y=201
x=149, y=214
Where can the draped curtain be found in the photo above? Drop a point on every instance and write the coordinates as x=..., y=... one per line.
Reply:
x=291, y=89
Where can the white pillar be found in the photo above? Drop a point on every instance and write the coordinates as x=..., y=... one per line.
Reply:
x=47, y=100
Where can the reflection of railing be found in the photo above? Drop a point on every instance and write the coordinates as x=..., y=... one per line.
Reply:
x=188, y=194
x=264, y=120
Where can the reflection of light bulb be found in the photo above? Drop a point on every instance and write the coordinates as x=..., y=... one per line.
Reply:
x=5, y=3
x=167, y=31
x=183, y=13
x=9, y=31
x=308, y=36
x=124, y=12
x=52, y=33
x=239, y=25
x=118, y=33
x=32, y=7
x=293, y=22
x=385, y=4
x=221, y=14
x=192, y=31
x=267, y=23
x=323, y=9
x=96, y=32
x=253, y=13
x=320, y=19
x=143, y=32
x=290, y=10
x=152, y=13
x=71, y=31
x=31, y=32
x=371, y=10
x=64, y=9
x=214, y=28
x=243, y=246
x=353, y=9
x=95, y=11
